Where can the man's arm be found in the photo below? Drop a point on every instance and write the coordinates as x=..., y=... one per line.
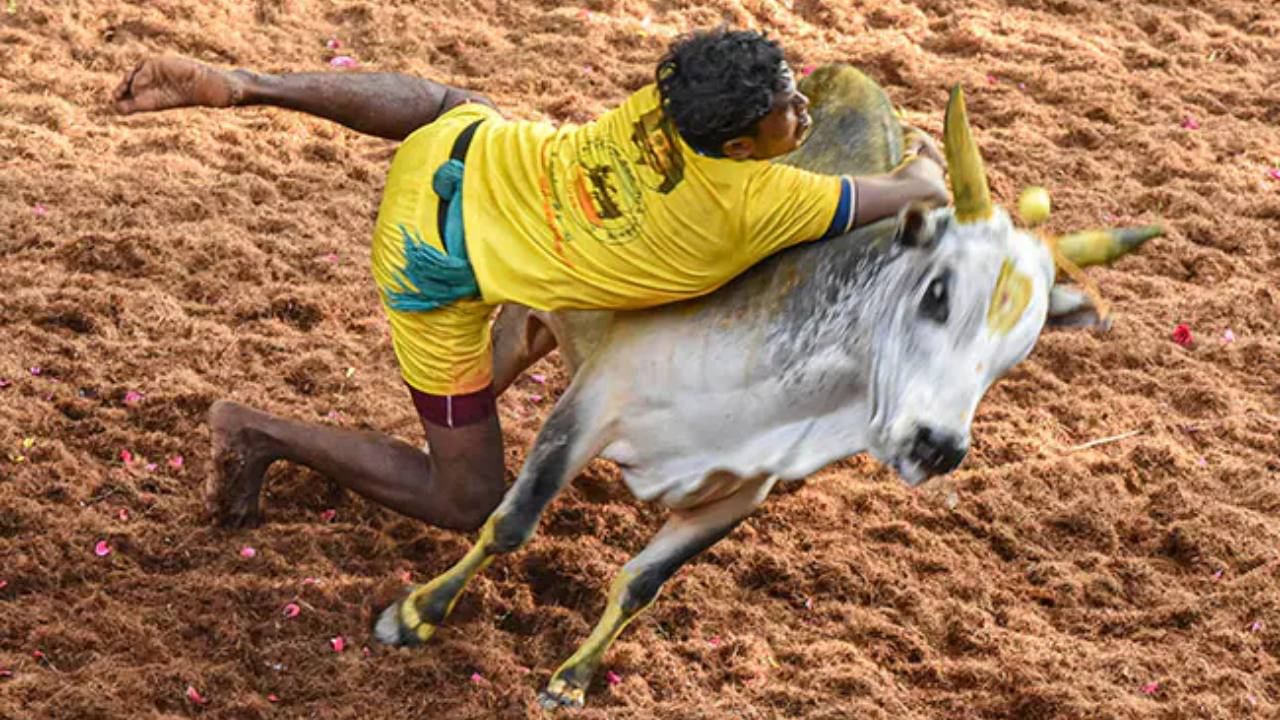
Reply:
x=920, y=177
x=388, y=105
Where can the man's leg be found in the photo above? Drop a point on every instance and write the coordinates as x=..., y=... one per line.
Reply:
x=389, y=105
x=456, y=486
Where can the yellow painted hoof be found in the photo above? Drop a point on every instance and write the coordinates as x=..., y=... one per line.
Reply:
x=399, y=624
x=561, y=694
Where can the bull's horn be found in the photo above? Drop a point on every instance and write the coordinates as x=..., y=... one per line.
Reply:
x=1098, y=247
x=964, y=164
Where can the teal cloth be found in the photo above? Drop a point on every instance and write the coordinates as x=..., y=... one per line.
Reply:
x=432, y=279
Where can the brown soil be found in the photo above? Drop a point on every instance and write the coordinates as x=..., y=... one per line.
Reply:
x=195, y=255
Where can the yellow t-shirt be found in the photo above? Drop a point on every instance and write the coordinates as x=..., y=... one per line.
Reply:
x=621, y=213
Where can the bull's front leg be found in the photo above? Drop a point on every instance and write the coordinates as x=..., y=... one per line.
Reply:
x=562, y=448
x=685, y=535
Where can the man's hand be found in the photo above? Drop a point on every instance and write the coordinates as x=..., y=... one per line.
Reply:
x=923, y=180
x=161, y=83
x=918, y=142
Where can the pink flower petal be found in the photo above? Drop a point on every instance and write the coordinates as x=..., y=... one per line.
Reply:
x=4, y=584
x=310, y=581
x=1151, y=688
x=612, y=678
x=247, y=552
x=123, y=514
x=126, y=457
x=538, y=378
x=808, y=603
x=1274, y=173
x=1217, y=575
x=1256, y=626
x=1190, y=123
x=151, y=467
x=39, y=210
x=38, y=654
x=338, y=643
x=1228, y=337
x=714, y=641
x=329, y=515
x=132, y=397
x=365, y=651
x=535, y=397
x=5, y=382
x=992, y=80
x=343, y=61
x=175, y=462
x=807, y=70
x=102, y=549
x=194, y=696
x=6, y=673
x=1182, y=335
x=272, y=698
x=35, y=371
x=331, y=257
x=477, y=678
x=333, y=43
x=292, y=610
x=406, y=577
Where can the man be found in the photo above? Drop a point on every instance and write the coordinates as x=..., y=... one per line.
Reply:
x=666, y=197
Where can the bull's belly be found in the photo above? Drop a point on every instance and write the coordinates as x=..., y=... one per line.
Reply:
x=683, y=462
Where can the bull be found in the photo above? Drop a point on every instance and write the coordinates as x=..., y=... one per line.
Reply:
x=881, y=341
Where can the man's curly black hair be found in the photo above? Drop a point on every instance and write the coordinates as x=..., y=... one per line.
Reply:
x=717, y=84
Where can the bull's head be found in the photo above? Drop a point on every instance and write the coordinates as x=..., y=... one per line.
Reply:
x=978, y=293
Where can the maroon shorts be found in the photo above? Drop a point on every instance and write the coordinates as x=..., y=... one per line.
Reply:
x=454, y=411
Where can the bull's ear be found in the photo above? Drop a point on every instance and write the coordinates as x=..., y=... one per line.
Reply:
x=1071, y=308
x=917, y=227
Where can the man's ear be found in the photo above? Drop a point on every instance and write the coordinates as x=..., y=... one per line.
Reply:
x=739, y=148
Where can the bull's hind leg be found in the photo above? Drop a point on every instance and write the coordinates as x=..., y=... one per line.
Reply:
x=562, y=448
x=685, y=534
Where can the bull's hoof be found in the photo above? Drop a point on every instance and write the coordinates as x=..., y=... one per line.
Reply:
x=391, y=628
x=560, y=694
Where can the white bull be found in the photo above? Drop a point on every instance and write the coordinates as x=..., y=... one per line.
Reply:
x=881, y=341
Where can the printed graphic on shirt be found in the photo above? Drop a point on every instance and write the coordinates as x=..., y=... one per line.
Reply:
x=661, y=162
x=596, y=192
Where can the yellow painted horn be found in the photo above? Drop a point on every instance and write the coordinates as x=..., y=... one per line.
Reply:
x=964, y=164
x=1099, y=247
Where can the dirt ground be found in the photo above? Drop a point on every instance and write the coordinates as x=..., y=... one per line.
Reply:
x=156, y=263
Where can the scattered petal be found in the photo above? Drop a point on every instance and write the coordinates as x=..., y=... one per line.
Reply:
x=102, y=549
x=807, y=70
x=538, y=378
x=333, y=415
x=477, y=678
x=39, y=210
x=1218, y=575
x=328, y=515
x=272, y=698
x=1274, y=173
x=1022, y=86
x=808, y=603
x=338, y=643
x=151, y=467
x=292, y=610
x=194, y=696
x=36, y=371
x=535, y=397
x=6, y=673
x=1190, y=123
x=1256, y=626
x=331, y=257
x=1182, y=335
x=406, y=577
x=38, y=654
x=123, y=515
x=1228, y=337
x=714, y=641
x=126, y=457
x=1151, y=688
x=613, y=678
x=343, y=61
x=1202, y=462
x=992, y=80
x=365, y=651
x=523, y=670
x=247, y=552
x=310, y=581
x=175, y=462
x=5, y=382
x=333, y=43
x=132, y=397
x=4, y=584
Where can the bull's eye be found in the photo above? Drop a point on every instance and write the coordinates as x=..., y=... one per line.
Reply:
x=936, y=301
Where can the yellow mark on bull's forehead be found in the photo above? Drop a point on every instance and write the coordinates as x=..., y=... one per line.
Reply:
x=1009, y=299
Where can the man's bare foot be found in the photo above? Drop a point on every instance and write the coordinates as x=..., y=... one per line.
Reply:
x=241, y=455
x=160, y=83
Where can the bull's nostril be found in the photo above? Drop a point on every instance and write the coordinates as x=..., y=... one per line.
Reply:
x=938, y=452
